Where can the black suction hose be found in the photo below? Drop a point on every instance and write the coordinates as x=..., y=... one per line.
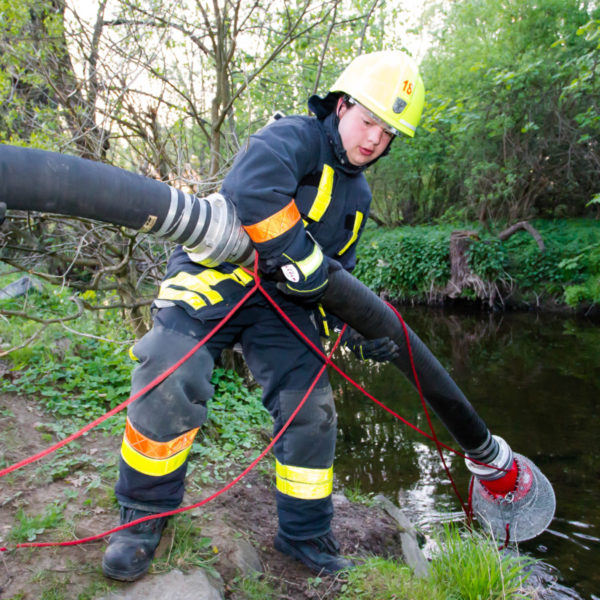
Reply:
x=354, y=303
x=50, y=182
x=57, y=183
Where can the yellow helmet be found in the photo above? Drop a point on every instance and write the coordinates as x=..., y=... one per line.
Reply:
x=389, y=85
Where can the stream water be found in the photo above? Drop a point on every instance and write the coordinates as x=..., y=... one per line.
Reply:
x=535, y=380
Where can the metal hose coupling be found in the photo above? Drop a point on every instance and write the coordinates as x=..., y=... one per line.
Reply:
x=494, y=468
x=511, y=497
x=208, y=228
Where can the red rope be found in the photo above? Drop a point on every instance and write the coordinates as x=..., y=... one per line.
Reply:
x=131, y=398
x=175, y=366
x=176, y=511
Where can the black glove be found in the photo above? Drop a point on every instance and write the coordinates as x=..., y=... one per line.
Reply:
x=381, y=349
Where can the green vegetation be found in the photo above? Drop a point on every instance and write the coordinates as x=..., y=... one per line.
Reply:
x=467, y=566
x=188, y=548
x=413, y=263
x=28, y=527
x=256, y=587
x=484, y=153
x=79, y=378
x=508, y=130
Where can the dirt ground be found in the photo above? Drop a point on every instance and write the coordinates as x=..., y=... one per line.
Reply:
x=76, y=483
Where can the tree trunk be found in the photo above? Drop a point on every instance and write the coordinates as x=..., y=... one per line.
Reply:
x=461, y=276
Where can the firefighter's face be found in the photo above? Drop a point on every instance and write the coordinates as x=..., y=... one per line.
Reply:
x=362, y=137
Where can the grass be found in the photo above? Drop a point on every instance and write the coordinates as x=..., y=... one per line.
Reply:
x=468, y=566
x=476, y=568
x=28, y=527
x=188, y=548
x=357, y=496
x=255, y=587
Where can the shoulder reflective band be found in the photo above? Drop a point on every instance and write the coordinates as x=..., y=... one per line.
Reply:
x=304, y=483
x=323, y=197
x=358, y=219
x=275, y=225
x=155, y=458
x=197, y=290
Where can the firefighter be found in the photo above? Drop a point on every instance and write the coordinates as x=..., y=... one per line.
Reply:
x=299, y=189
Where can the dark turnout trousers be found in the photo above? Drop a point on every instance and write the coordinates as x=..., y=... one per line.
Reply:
x=162, y=424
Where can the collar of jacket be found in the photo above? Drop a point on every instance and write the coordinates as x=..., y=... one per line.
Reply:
x=324, y=109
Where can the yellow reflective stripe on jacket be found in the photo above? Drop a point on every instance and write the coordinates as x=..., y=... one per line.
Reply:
x=169, y=293
x=358, y=219
x=190, y=288
x=323, y=197
x=304, y=483
x=324, y=320
x=275, y=225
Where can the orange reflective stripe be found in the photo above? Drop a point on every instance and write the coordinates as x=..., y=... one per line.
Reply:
x=275, y=225
x=160, y=450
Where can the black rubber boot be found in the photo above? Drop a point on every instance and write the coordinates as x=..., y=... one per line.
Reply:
x=320, y=555
x=130, y=551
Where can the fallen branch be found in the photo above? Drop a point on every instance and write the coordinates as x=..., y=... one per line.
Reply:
x=504, y=235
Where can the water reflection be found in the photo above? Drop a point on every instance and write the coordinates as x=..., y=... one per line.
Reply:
x=535, y=380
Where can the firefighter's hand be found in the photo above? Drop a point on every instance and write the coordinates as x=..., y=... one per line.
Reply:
x=307, y=279
x=380, y=350
x=307, y=291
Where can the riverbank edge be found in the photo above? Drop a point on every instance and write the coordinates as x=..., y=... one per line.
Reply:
x=69, y=495
x=557, y=270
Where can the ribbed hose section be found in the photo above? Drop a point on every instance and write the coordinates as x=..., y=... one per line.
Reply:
x=49, y=182
x=357, y=305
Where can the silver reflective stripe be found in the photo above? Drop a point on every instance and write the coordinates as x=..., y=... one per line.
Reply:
x=170, y=214
x=407, y=124
x=184, y=220
x=311, y=263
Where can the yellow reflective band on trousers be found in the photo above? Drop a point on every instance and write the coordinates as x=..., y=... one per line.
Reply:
x=198, y=290
x=155, y=458
x=304, y=483
x=358, y=219
x=323, y=197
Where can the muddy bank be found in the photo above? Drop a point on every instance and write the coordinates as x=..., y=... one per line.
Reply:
x=69, y=496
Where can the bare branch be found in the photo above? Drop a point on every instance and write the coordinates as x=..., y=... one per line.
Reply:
x=523, y=225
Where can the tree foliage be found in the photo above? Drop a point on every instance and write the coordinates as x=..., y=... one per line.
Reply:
x=511, y=124
x=171, y=89
x=165, y=88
